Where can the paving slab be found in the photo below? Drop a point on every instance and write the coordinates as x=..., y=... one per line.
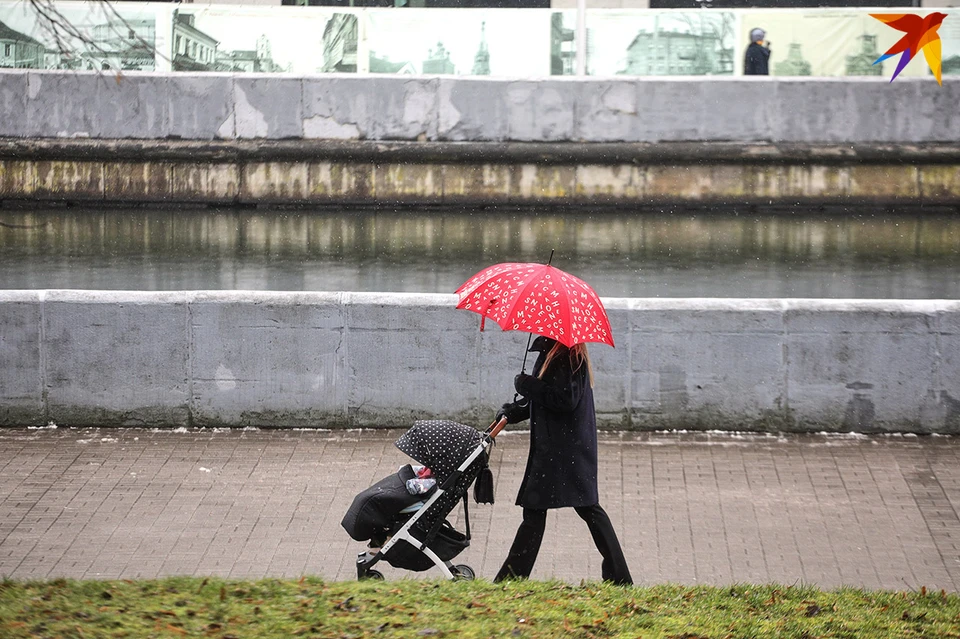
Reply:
x=691, y=508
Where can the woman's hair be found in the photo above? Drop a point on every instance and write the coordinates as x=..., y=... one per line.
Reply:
x=578, y=357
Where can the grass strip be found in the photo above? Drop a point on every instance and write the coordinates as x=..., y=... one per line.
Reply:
x=197, y=607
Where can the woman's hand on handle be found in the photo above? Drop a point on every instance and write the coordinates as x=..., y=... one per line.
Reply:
x=515, y=412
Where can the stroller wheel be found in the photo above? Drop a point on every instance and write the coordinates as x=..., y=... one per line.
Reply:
x=463, y=571
x=374, y=574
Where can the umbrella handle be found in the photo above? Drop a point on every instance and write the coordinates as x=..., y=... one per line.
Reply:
x=523, y=367
x=497, y=427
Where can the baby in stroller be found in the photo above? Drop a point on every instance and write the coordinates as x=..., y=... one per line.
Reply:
x=408, y=526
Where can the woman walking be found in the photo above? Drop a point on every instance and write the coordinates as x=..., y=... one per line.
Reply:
x=756, y=59
x=562, y=462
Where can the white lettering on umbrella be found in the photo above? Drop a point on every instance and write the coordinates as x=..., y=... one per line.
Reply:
x=556, y=303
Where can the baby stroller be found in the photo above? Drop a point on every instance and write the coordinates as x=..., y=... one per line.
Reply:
x=411, y=531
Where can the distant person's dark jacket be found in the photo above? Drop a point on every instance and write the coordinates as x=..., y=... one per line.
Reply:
x=756, y=61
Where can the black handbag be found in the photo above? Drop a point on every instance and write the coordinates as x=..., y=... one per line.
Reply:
x=483, y=485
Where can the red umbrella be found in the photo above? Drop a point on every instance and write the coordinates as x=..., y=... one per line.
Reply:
x=537, y=298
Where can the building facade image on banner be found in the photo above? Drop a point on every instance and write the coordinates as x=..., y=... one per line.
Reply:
x=264, y=40
x=950, y=42
x=657, y=43
x=563, y=42
x=97, y=37
x=835, y=43
x=506, y=42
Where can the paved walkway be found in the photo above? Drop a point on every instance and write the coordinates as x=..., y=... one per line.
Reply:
x=879, y=512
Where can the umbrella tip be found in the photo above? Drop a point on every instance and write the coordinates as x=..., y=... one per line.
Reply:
x=551, y=256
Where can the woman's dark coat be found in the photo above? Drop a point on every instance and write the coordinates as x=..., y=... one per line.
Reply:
x=756, y=61
x=562, y=464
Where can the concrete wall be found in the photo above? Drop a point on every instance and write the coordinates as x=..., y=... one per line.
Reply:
x=52, y=104
x=349, y=359
x=340, y=139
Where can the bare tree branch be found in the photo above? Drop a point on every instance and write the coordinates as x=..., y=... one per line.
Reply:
x=68, y=37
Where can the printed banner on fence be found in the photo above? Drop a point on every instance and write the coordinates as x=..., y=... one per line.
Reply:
x=522, y=43
x=656, y=43
x=950, y=42
x=498, y=42
x=302, y=40
x=88, y=36
x=834, y=43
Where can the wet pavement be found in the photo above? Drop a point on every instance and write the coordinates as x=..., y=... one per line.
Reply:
x=828, y=510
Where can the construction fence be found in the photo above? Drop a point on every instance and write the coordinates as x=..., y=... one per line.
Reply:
x=525, y=43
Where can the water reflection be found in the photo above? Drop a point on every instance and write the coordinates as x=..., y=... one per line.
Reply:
x=629, y=254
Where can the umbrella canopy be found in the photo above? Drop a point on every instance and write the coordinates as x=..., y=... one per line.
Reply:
x=537, y=298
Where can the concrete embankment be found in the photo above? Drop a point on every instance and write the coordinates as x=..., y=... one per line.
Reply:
x=337, y=139
x=380, y=360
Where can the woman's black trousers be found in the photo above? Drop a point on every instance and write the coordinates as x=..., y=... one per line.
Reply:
x=526, y=545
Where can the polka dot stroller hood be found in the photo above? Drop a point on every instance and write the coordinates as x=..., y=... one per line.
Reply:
x=439, y=445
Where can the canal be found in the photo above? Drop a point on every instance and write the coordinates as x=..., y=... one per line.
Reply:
x=841, y=254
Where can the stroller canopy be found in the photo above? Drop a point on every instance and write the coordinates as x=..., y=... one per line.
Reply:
x=439, y=445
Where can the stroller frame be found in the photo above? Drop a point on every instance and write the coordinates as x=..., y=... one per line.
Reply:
x=367, y=560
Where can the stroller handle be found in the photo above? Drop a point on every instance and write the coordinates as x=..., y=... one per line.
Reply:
x=496, y=427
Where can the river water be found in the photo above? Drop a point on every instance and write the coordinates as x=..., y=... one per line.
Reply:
x=841, y=254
